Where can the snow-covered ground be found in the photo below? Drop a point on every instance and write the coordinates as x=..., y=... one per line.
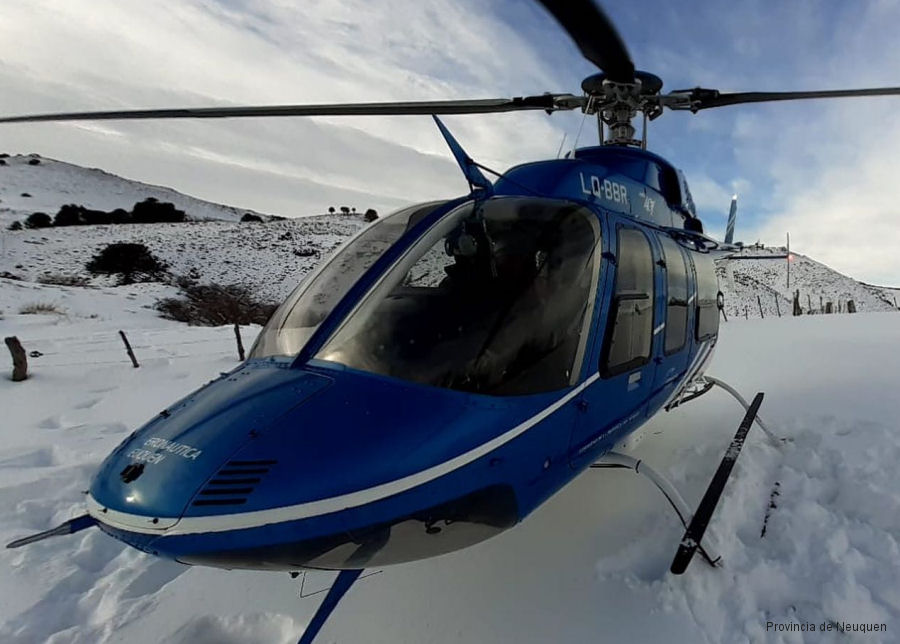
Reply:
x=27, y=187
x=591, y=565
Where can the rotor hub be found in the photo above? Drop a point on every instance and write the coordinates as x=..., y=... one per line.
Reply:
x=617, y=104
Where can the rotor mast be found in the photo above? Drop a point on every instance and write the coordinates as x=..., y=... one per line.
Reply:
x=618, y=103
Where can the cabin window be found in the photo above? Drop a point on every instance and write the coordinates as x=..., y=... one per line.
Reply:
x=630, y=334
x=707, y=291
x=301, y=313
x=497, y=302
x=676, y=295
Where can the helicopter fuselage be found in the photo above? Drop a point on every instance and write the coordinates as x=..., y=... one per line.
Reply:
x=352, y=445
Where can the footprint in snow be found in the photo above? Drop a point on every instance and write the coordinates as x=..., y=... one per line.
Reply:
x=51, y=422
x=87, y=403
x=43, y=457
x=153, y=578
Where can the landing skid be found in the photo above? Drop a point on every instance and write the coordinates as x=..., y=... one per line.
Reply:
x=695, y=524
x=338, y=589
x=682, y=509
x=702, y=384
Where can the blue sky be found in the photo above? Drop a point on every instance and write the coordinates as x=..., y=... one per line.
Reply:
x=825, y=171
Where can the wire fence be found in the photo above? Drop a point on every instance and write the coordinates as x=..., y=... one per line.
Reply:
x=109, y=348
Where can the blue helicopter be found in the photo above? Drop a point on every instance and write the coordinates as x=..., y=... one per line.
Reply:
x=455, y=363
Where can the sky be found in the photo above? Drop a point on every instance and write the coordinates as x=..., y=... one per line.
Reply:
x=822, y=170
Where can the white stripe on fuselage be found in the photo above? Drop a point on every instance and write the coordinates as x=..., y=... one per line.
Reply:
x=244, y=520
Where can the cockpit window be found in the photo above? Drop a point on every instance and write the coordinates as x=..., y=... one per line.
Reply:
x=304, y=309
x=497, y=301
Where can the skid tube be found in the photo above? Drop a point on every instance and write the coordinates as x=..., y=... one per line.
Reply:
x=614, y=460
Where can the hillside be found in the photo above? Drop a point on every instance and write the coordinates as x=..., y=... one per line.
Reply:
x=50, y=184
x=270, y=258
x=742, y=280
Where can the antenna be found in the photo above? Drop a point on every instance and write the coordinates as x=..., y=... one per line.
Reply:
x=788, y=261
x=561, y=144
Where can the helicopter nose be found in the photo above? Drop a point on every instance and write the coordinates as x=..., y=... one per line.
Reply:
x=149, y=480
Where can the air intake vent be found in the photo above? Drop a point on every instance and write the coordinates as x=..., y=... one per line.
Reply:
x=233, y=483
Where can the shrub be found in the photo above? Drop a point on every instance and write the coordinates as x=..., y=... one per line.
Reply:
x=215, y=305
x=41, y=308
x=68, y=215
x=25, y=194
x=2, y=161
x=38, y=220
x=371, y=215
x=16, y=225
x=132, y=262
x=34, y=162
x=250, y=217
x=345, y=210
x=151, y=211
x=61, y=279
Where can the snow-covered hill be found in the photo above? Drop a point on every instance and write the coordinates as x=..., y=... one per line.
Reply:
x=270, y=258
x=742, y=280
x=32, y=183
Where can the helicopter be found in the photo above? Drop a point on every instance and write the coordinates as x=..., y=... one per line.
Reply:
x=455, y=363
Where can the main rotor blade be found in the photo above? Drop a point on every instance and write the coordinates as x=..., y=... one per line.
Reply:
x=547, y=102
x=701, y=99
x=595, y=35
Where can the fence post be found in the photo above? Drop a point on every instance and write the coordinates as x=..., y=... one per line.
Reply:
x=851, y=306
x=808, y=303
x=20, y=361
x=759, y=302
x=777, y=306
x=746, y=313
x=240, y=344
x=797, y=309
x=829, y=307
x=821, y=305
x=128, y=349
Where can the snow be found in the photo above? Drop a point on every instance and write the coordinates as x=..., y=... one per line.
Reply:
x=44, y=187
x=590, y=564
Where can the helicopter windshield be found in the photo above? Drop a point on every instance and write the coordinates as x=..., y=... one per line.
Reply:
x=496, y=301
x=301, y=313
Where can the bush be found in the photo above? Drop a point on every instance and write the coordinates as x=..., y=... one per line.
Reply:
x=16, y=225
x=215, y=305
x=250, y=217
x=132, y=262
x=38, y=220
x=68, y=215
x=61, y=279
x=371, y=215
x=34, y=162
x=25, y=194
x=41, y=308
x=345, y=210
x=151, y=211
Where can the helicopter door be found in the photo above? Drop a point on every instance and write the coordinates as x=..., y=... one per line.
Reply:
x=618, y=399
x=673, y=348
